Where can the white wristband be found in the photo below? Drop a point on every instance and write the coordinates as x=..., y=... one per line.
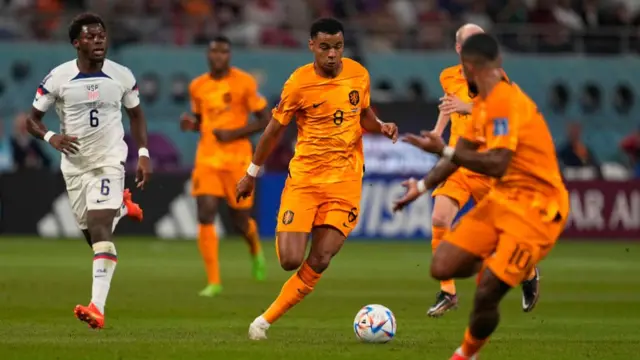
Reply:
x=48, y=136
x=253, y=170
x=143, y=152
x=448, y=152
x=422, y=186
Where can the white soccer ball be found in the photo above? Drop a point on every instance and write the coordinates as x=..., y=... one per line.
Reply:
x=375, y=324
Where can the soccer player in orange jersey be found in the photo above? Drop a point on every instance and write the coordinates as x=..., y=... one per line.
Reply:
x=222, y=101
x=518, y=222
x=451, y=195
x=330, y=100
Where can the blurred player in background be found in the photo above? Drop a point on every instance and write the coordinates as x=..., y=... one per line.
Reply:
x=88, y=93
x=518, y=222
x=451, y=195
x=331, y=102
x=221, y=102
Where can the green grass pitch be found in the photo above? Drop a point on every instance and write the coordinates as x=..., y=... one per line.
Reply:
x=589, y=308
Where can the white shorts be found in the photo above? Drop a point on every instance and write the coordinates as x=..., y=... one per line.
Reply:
x=98, y=189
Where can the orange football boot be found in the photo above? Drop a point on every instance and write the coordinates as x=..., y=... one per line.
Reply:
x=133, y=210
x=91, y=315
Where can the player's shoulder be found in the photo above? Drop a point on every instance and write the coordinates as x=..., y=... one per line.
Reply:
x=301, y=75
x=62, y=73
x=198, y=81
x=450, y=73
x=352, y=67
x=118, y=72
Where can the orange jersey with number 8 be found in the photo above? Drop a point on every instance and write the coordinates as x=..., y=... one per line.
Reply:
x=327, y=112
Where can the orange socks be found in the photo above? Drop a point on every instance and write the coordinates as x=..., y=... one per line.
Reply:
x=294, y=290
x=208, y=245
x=253, y=238
x=470, y=345
x=437, y=233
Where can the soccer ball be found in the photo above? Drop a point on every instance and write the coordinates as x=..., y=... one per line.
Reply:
x=374, y=324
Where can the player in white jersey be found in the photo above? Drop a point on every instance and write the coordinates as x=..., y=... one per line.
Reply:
x=88, y=93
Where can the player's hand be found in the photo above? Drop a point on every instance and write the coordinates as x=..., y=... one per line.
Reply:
x=187, y=122
x=410, y=196
x=390, y=130
x=64, y=143
x=450, y=104
x=245, y=187
x=427, y=141
x=144, y=171
x=224, y=135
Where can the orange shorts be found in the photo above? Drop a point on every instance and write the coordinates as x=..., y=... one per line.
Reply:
x=511, y=234
x=209, y=181
x=462, y=185
x=305, y=206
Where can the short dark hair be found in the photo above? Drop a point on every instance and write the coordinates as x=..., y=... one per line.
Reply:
x=81, y=20
x=326, y=25
x=221, y=39
x=483, y=46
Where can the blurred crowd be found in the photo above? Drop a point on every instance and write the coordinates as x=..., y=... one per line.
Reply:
x=523, y=25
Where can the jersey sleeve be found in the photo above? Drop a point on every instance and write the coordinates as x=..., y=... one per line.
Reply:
x=194, y=98
x=131, y=97
x=255, y=101
x=47, y=93
x=290, y=102
x=444, y=80
x=502, y=119
x=366, y=97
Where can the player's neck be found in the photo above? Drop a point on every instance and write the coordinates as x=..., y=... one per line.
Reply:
x=328, y=75
x=217, y=75
x=485, y=87
x=89, y=67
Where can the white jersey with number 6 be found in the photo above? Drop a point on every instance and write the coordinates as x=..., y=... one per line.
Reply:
x=89, y=107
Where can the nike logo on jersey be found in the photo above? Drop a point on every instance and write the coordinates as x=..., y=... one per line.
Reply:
x=100, y=201
x=316, y=105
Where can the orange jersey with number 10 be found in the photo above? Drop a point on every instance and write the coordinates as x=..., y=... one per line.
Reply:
x=508, y=118
x=327, y=111
x=224, y=104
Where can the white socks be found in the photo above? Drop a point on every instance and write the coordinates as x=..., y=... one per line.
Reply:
x=104, y=264
x=121, y=213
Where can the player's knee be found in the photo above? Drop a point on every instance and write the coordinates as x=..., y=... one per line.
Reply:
x=441, y=269
x=441, y=219
x=486, y=298
x=241, y=223
x=290, y=262
x=206, y=215
x=319, y=262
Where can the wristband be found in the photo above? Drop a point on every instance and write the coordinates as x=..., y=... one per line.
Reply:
x=448, y=152
x=253, y=170
x=48, y=136
x=143, y=152
x=422, y=186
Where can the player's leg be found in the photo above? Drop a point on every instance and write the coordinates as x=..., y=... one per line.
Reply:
x=244, y=223
x=104, y=191
x=522, y=243
x=207, y=189
x=448, y=198
x=295, y=220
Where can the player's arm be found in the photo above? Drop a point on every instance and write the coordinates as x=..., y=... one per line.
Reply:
x=268, y=141
x=441, y=123
x=45, y=97
x=191, y=122
x=368, y=119
x=138, y=129
x=493, y=162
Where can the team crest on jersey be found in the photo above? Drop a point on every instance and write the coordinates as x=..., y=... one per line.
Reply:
x=354, y=97
x=226, y=98
x=287, y=218
x=92, y=92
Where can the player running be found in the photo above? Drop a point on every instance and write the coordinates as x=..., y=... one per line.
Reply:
x=88, y=93
x=518, y=222
x=451, y=195
x=330, y=99
x=221, y=102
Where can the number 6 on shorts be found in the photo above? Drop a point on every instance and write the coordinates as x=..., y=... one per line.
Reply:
x=104, y=187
